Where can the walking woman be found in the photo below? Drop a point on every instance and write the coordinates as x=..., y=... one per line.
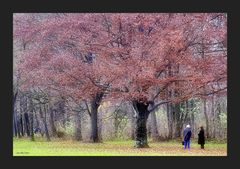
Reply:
x=187, y=135
x=201, y=137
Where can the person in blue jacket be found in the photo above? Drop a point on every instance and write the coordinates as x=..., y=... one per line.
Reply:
x=186, y=136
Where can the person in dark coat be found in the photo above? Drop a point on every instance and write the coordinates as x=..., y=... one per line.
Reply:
x=201, y=137
x=187, y=135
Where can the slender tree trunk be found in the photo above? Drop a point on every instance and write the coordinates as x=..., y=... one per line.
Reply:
x=15, y=128
x=18, y=128
x=42, y=119
x=191, y=117
x=218, y=119
x=176, y=109
x=214, y=118
x=24, y=106
x=67, y=113
x=37, y=122
x=78, y=132
x=22, y=118
x=21, y=124
x=206, y=116
x=170, y=105
x=27, y=124
x=149, y=127
x=31, y=127
x=45, y=123
x=133, y=122
x=141, y=126
x=116, y=123
x=173, y=120
x=177, y=120
x=204, y=100
x=63, y=112
x=154, y=130
x=52, y=123
x=31, y=119
x=170, y=120
x=133, y=116
x=99, y=127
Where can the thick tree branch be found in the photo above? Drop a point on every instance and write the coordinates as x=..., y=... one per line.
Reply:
x=157, y=105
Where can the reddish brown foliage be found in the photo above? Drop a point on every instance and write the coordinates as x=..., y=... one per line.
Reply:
x=126, y=55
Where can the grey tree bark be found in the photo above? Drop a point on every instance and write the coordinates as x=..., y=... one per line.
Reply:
x=44, y=120
x=78, y=128
x=154, y=129
x=31, y=118
x=52, y=122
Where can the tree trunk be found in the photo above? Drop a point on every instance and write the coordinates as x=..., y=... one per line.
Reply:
x=116, y=124
x=36, y=118
x=31, y=127
x=169, y=105
x=214, y=118
x=141, y=124
x=52, y=124
x=204, y=100
x=99, y=127
x=177, y=120
x=94, y=132
x=21, y=124
x=154, y=130
x=27, y=124
x=37, y=121
x=132, y=121
x=149, y=127
x=31, y=119
x=206, y=116
x=170, y=120
x=15, y=132
x=62, y=112
x=24, y=109
x=218, y=119
x=192, y=118
x=18, y=128
x=22, y=118
x=95, y=103
x=14, y=114
x=78, y=133
x=45, y=123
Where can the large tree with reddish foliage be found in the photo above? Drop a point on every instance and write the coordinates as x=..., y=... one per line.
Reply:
x=149, y=59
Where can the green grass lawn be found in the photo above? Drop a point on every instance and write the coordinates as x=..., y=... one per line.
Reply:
x=25, y=147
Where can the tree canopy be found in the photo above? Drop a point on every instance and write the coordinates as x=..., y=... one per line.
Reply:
x=128, y=56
